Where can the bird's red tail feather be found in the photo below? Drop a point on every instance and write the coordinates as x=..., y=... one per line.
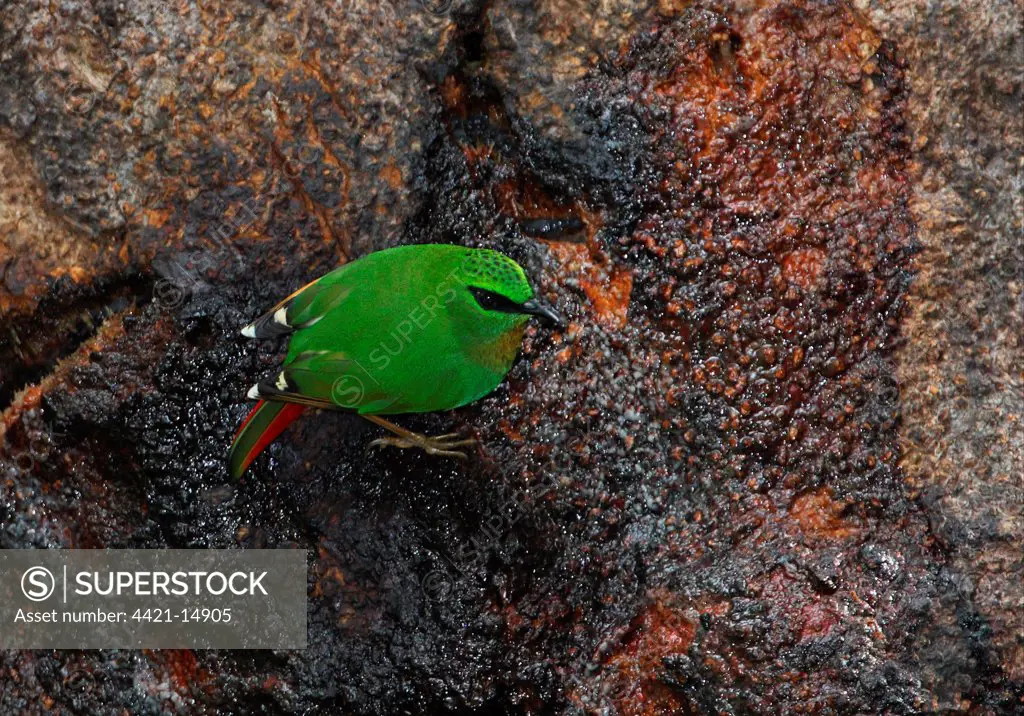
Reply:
x=260, y=428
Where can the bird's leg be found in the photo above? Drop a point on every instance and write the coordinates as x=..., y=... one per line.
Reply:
x=437, y=445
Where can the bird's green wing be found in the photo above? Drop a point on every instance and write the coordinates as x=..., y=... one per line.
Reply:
x=327, y=380
x=303, y=308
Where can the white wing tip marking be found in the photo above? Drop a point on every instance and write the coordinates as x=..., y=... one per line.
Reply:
x=249, y=331
x=254, y=393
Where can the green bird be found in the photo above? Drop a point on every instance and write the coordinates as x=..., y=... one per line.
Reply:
x=413, y=329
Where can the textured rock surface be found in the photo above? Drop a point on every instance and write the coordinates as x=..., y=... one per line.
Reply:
x=962, y=365
x=763, y=470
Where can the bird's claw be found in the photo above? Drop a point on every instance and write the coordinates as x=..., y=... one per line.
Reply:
x=439, y=445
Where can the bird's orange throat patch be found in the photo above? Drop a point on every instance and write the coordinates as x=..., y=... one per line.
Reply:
x=497, y=355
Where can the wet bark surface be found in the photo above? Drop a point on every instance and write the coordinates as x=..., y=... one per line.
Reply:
x=773, y=464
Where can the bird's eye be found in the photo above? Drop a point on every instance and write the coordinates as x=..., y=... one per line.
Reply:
x=491, y=301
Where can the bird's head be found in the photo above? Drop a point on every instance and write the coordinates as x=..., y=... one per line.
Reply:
x=496, y=292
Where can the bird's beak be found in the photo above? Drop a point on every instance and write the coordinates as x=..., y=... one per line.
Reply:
x=548, y=316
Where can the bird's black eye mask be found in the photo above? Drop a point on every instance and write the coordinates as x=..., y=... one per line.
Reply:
x=491, y=301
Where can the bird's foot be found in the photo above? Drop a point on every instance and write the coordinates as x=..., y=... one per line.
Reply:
x=438, y=445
